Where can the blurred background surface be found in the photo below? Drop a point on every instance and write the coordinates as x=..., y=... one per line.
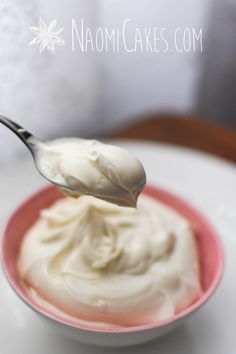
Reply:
x=93, y=94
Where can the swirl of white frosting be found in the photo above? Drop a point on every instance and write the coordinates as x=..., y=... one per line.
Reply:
x=99, y=262
x=93, y=168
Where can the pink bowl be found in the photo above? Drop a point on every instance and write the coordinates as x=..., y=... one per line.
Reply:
x=210, y=258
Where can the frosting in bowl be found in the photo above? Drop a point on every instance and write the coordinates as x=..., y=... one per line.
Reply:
x=90, y=167
x=102, y=263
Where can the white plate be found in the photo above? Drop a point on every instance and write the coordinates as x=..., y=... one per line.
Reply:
x=209, y=184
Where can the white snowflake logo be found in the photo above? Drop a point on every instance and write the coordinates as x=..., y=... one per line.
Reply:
x=46, y=36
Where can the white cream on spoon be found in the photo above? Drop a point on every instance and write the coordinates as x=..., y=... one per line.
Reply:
x=93, y=168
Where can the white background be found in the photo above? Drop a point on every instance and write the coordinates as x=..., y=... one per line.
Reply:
x=74, y=94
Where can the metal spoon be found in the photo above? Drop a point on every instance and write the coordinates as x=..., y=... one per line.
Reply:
x=33, y=144
x=113, y=190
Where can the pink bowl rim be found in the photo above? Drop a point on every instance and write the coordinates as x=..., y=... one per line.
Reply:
x=151, y=190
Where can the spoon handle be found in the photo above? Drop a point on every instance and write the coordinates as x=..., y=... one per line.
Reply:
x=21, y=132
x=16, y=128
